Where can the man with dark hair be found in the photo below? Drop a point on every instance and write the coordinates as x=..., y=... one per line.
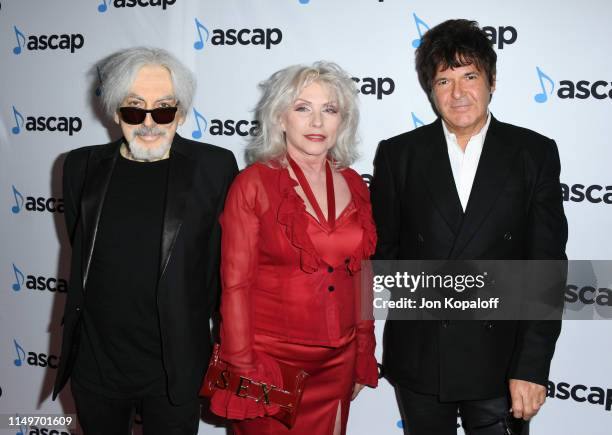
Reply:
x=467, y=187
x=142, y=216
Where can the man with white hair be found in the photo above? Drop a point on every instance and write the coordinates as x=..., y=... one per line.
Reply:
x=142, y=216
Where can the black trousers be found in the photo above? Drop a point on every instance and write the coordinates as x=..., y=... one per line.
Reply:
x=99, y=415
x=424, y=414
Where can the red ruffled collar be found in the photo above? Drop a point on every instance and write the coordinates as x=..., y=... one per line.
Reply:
x=292, y=215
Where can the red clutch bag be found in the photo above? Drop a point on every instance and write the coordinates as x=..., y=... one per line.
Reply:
x=288, y=397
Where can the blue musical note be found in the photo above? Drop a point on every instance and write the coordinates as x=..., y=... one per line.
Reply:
x=416, y=121
x=99, y=88
x=102, y=7
x=304, y=2
x=22, y=429
x=18, y=201
x=198, y=45
x=419, y=25
x=18, y=35
x=542, y=97
x=19, y=278
x=20, y=354
x=196, y=134
x=18, y=116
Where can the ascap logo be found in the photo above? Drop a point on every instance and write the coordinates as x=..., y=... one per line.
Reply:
x=223, y=127
x=36, y=282
x=63, y=124
x=45, y=431
x=416, y=122
x=594, y=193
x=499, y=36
x=119, y=4
x=267, y=37
x=581, y=393
x=65, y=41
x=35, y=359
x=36, y=203
x=569, y=89
x=375, y=86
x=588, y=295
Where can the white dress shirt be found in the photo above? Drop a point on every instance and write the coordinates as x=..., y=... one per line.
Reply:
x=464, y=163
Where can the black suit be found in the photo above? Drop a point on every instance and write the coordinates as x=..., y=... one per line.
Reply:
x=198, y=179
x=514, y=211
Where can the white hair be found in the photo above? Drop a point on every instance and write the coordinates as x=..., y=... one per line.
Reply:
x=282, y=89
x=118, y=71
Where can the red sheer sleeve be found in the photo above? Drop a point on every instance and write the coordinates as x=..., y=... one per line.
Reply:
x=239, y=259
x=366, y=367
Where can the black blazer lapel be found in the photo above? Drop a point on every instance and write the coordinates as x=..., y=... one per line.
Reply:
x=438, y=176
x=100, y=169
x=180, y=179
x=493, y=169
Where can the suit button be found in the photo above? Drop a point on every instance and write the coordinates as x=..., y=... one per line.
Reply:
x=331, y=288
x=330, y=269
x=77, y=309
x=445, y=324
x=508, y=236
x=420, y=238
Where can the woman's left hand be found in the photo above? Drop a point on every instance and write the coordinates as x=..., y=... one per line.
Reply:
x=356, y=389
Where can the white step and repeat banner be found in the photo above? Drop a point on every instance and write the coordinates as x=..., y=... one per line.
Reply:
x=554, y=76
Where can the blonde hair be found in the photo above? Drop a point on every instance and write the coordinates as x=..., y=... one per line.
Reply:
x=279, y=93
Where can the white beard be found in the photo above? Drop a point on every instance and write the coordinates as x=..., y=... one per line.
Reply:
x=144, y=153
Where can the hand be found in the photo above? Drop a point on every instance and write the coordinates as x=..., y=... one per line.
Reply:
x=356, y=389
x=527, y=398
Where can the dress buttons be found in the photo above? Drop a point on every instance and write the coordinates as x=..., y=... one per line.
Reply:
x=508, y=236
x=330, y=269
x=331, y=288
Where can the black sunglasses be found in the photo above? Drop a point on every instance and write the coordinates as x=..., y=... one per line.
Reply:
x=134, y=115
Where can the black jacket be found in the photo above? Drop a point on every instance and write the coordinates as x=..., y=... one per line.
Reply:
x=198, y=179
x=515, y=212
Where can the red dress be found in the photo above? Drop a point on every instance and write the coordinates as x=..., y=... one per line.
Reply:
x=291, y=292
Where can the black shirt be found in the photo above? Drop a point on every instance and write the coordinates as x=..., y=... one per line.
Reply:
x=120, y=351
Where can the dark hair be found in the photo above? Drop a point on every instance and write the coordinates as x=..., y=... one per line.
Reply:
x=453, y=44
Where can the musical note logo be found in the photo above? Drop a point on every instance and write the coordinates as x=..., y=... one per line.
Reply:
x=198, y=45
x=18, y=201
x=20, y=354
x=21, y=40
x=542, y=97
x=99, y=88
x=19, y=278
x=103, y=7
x=197, y=134
x=23, y=430
x=18, y=121
x=416, y=121
x=421, y=28
x=304, y=2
